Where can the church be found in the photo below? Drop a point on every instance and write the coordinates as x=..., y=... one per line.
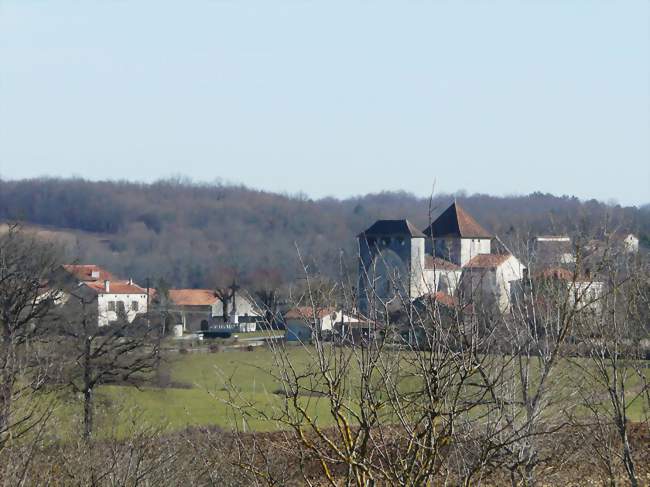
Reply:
x=454, y=254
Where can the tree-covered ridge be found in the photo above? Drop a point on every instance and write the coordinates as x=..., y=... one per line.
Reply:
x=192, y=235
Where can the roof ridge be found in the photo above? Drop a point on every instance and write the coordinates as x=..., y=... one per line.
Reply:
x=392, y=227
x=455, y=221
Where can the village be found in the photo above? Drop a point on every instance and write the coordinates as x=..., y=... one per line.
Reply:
x=346, y=244
x=453, y=259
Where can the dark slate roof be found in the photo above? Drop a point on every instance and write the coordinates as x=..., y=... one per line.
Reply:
x=391, y=227
x=456, y=222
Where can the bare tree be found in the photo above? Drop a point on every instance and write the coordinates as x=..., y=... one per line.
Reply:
x=27, y=299
x=614, y=378
x=120, y=352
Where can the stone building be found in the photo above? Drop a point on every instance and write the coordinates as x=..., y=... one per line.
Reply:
x=115, y=298
x=399, y=262
x=203, y=309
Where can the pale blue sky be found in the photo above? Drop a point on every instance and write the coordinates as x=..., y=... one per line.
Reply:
x=332, y=98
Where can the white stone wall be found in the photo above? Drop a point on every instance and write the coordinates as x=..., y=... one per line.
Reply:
x=494, y=285
x=506, y=275
x=441, y=280
x=631, y=244
x=471, y=247
x=244, y=307
x=418, y=284
x=105, y=315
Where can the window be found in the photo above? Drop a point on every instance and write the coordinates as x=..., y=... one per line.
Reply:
x=111, y=306
x=134, y=306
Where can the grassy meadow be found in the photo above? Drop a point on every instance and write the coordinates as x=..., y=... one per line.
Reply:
x=195, y=393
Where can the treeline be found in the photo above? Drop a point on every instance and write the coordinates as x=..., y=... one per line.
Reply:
x=197, y=235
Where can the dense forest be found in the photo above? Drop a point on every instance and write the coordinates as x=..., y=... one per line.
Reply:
x=198, y=235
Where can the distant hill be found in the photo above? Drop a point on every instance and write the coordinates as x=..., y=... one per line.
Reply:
x=197, y=235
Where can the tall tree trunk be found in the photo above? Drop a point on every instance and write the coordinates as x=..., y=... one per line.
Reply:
x=6, y=387
x=88, y=413
x=88, y=391
x=628, y=460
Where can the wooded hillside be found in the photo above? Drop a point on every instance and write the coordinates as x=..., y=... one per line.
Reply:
x=194, y=235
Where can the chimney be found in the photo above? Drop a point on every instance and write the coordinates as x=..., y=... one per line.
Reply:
x=107, y=286
x=130, y=281
x=94, y=274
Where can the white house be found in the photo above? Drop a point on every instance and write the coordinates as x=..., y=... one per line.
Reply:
x=628, y=241
x=241, y=314
x=303, y=322
x=583, y=289
x=491, y=277
x=115, y=298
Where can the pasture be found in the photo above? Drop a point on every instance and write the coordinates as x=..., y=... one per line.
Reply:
x=194, y=391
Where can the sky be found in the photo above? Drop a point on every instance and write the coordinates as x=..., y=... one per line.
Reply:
x=332, y=98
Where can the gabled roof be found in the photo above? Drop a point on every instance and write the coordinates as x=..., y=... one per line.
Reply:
x=456, y=222
x=192, y=297
x=115, y=287
x=562, y=274
x=391, y=227
x=439, y=264
x=307, y=313
x=487, y=261
x=84, y=272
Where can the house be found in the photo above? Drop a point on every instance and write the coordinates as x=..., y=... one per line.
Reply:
x=118, y=299
x=399, y=262
x=239, y=312
x=627, y=242
x=553, y=249
x=192, y=307
x=303, y=322
x=583, y=288
x=115, y=298
x=490, y=278
x=203, y=309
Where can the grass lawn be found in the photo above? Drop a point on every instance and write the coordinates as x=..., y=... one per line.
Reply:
x=203, y=399
x=200, y=394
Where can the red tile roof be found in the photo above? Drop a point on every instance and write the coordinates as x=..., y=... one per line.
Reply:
x=439, y=264
x=115, y=287
x=439, y=297
x=192, y=297
x=84, y=272
x=307, y=313
x=562, y=274
x=456, y=222
x=444, y=298
x=487, y=261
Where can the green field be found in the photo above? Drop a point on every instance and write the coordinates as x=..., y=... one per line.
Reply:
x=197, y=395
